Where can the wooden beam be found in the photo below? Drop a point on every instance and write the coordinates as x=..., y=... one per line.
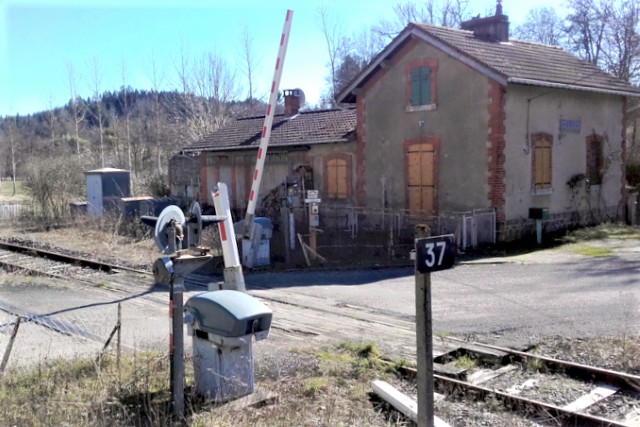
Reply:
x=401, y=402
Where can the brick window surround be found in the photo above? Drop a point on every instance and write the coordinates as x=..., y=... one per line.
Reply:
x=412, y=67
x=338, y=172
x=541, y=163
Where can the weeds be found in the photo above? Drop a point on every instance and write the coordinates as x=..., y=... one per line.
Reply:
x=328, y=387
x=314, y=386
x=465, y=362
x=602, y=231
x=535, y=365
x=591, y=251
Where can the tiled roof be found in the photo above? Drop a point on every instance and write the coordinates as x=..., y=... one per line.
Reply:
x=305, y=128
x=507, y=62
x=522, y=62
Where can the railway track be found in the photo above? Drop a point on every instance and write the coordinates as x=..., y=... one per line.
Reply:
x=45, y=262
x=594, y=396
x=576, y=394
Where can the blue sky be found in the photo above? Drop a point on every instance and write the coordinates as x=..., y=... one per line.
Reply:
x=39, y=37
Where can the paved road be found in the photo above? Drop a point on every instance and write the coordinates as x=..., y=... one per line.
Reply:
x=507, y=301
x=510, y=302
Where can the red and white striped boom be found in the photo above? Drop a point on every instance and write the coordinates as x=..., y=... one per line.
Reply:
x=264, y=140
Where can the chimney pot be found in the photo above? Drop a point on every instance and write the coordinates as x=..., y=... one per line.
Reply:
x=495, y=28
x=291, y=102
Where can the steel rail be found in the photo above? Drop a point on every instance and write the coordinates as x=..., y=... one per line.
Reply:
x=556, y=412
x=621, y=380
x=69, y=259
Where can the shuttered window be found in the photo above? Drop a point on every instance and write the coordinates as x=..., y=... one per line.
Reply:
x=338, y=177
x=542, y=153
x=420, y=86
x=421, y=179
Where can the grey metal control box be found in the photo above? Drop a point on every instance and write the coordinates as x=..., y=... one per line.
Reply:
x=223, y=324
x=229, y=313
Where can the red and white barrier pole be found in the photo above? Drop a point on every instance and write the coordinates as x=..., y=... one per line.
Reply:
x=233, y=276
x=248, y=256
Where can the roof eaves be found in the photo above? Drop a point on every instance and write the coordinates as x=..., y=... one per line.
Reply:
x=531, y=82
x=463, y=57
x=250, y=147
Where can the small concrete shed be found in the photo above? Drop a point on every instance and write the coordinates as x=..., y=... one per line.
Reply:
x=105, y=187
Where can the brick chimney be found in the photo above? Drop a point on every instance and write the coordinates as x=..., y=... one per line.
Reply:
x=292, y=98
x=493, y=28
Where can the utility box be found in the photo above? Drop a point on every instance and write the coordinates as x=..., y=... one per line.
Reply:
x=222, y=324
x=538, y=213
x=105, y=187
x=262, y=243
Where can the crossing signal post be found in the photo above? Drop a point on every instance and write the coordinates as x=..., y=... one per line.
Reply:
x=432, y=254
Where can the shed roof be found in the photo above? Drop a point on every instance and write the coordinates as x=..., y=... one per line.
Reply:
x=106, y=170
x=516, y=62
x=305, y=128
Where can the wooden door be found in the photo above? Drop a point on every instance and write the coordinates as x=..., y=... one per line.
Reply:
x=420, y=179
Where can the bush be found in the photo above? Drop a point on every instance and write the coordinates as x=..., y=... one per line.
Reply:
x=53, y=182
x=157, y=185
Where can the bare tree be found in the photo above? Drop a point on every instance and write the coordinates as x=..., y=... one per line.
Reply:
x=10, y=128
x=157, y=78
x=542, y=25
x=586, y=27
x=97, y=112
x=182, y=68
x=333, y=32
x=367, y=44
x=76, y=104
x=53, y=181
x=250, y=62
x=445, y=13
x=50, y=117
x=215, y=87
x=621, y=57
x=125, y=110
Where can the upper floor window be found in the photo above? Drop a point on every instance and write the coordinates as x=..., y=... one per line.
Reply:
x=595, y=159
x=542, y=144
x=421, y=84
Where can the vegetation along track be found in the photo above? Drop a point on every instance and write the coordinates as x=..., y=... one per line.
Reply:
x=56, y=264
x=554, y=392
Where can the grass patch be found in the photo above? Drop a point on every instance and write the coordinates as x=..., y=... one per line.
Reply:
x=327, y=387
x=6, y=192
x=80, y=392
x=535, y=365
x=464, y=362
x=591, y=251
x=602, y=231
x=314, y=386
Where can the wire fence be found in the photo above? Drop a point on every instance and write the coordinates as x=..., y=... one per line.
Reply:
x=28, y=339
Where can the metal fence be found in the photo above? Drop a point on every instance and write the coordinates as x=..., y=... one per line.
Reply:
x=389, y=233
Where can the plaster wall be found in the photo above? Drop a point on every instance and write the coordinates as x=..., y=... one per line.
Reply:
x=458, y=120
x=598, y=113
